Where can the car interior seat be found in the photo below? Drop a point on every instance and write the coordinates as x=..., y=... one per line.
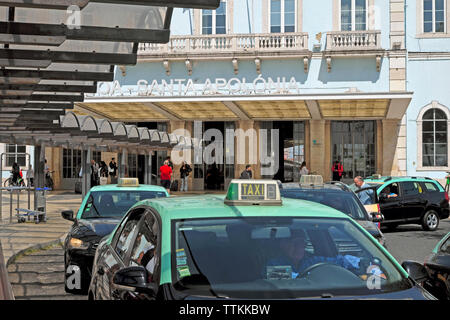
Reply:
x=106, y=203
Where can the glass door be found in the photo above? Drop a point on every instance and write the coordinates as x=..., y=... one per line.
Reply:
x=353, y=144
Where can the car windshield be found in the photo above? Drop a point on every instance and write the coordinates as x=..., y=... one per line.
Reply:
x=114, y=204
x=343, y=201
x=278, y=258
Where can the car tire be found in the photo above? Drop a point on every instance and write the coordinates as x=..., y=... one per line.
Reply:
x=430, y=220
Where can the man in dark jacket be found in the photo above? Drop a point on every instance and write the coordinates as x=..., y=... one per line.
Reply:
x=247, y=173
x=184, y=175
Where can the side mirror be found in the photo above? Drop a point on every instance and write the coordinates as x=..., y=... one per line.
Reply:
x=416, y=270
x=68, y=215
x=376, y=217
x=135, y=279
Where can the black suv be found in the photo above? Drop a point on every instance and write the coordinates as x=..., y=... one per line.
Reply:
x=406, y=200
x=338, y=196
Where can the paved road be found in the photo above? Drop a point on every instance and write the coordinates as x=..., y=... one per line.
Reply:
x=411, y=242
x=40, y=276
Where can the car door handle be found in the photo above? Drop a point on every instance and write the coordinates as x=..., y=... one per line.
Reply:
x=101, y=271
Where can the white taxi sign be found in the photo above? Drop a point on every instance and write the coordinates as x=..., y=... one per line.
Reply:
x=311, y=179
x=253, y=192
x=128, y=182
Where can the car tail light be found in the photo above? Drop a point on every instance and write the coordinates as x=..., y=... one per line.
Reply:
x=378, y=206
x=446, y=196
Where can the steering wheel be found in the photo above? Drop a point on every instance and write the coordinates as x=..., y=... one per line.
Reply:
x=314, y=266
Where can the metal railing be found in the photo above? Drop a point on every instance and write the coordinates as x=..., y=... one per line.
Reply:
x=354, y=40
x=224, y=43
x=6, y=292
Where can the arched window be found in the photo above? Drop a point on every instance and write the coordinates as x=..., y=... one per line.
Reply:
x=434, y=138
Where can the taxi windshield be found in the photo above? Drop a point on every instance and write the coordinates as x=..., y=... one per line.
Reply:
x=114, y=204
x=279, y=258
x=345, y=202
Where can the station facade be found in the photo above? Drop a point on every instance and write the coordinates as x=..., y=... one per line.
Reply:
x=359, y=81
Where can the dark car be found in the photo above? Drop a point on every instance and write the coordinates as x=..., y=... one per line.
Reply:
x=338, y=196
x=100, y=212
x=407, y=200
x=437, y=266
x=211, y=247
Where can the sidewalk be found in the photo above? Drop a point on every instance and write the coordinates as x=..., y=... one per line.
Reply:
x=17, y=238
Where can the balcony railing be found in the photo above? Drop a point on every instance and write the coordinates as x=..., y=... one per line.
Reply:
x=228, y=43
x=353, y=40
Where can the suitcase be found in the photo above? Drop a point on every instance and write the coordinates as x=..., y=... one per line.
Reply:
x=78, y=187
x=174, y=185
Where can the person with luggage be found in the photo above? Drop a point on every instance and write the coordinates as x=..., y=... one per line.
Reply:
x=166, y=175
x=184, y=175
x=103, y=173
x=113, y=170
x=338, y=170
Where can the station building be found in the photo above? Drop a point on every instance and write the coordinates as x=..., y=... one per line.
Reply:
x=360, y=81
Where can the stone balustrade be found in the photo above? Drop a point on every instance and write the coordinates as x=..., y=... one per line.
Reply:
x=227, y=43
x=353, y=40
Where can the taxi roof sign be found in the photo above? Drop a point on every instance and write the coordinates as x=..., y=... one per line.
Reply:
x=128, y=182
x=311, y=179
x=253, y=192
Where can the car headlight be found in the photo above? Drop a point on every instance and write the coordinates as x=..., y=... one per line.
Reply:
x=78, y=244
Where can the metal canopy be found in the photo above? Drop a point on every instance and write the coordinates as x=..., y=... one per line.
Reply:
x=48, y=62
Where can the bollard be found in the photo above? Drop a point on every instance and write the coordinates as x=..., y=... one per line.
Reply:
x=10, y=205
x=18, y=198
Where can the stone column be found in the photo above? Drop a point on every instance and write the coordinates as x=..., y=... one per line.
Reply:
x=245, y=152
x=390, y=137
x=178, y=128
x=86, y=161
x=317, y=148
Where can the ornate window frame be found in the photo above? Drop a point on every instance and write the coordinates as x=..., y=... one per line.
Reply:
x=419, y=22
x=298, y=16
x=198, y=19
x=433, y=105
x=370, y=15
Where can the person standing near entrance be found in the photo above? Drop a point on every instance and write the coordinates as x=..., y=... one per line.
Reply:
x=247, y=173
x=184, y=175
x=94, y=173
x=338, y=170
x=166, y=174
x=30, y=176
x=303, y=169
x=112, y=170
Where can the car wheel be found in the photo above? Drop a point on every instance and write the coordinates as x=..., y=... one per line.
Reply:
x=430, y=221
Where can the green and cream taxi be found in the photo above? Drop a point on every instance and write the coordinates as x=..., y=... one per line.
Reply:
x=248, y=244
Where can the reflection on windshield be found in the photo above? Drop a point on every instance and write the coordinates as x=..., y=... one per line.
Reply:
x=342, y=201
x=279, y=258
x=114, y=204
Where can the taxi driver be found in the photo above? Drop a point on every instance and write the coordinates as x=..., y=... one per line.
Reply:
x=293, y=254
